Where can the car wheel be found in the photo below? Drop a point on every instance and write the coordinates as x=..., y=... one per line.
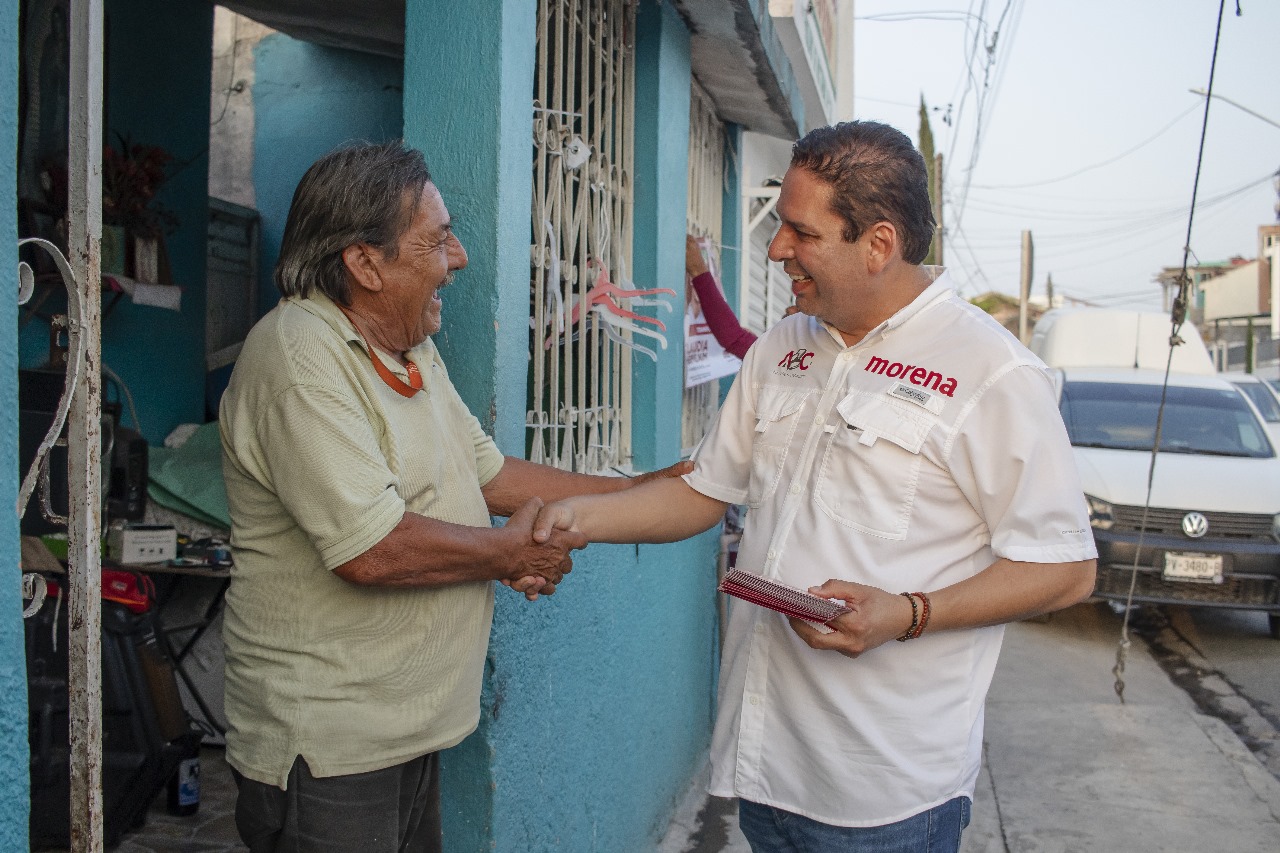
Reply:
x=1274, y=620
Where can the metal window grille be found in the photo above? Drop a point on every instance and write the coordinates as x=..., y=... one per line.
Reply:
x=706, y=201
x=580, y=396
x=766, y=289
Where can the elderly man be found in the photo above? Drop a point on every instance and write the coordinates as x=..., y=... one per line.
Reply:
x=361, y=490
x=901, y=452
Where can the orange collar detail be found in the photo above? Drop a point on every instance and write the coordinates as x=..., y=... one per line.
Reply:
x=395, y=383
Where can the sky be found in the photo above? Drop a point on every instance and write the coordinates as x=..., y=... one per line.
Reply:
x=1079, y=126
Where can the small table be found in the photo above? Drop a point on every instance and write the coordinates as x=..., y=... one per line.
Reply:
x=35, y=557
x=196, y=627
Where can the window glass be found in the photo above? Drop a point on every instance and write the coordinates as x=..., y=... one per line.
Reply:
x=1122, y=416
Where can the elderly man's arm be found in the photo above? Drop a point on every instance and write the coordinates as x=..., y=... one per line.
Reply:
x=663, y=510
x=1005, y=591
x=422, y=551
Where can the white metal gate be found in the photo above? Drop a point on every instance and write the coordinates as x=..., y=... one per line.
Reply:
x=706, y=203
x=579, y=416
x=766, y=289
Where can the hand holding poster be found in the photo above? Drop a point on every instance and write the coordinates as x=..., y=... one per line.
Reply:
x=704, y=358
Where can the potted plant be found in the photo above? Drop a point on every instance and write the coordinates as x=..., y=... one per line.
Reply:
x=132, y=175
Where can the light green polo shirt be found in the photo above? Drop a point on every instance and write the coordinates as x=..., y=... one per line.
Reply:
x=321, y=460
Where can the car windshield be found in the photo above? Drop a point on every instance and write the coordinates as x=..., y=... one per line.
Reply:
x=1260, y=395
x=1122, y=416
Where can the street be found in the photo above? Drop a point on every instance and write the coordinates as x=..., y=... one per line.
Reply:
x=1226, y=661
x=1068, y=767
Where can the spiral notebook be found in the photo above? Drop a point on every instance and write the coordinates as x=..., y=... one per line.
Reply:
x=780, y=597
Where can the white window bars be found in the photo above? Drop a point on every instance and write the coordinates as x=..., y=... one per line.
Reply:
x=765, y=288
x=579, y=416
x=706, y=201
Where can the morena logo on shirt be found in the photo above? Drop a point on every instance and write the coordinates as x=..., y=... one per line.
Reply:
x=913, y=374
x=797, y=359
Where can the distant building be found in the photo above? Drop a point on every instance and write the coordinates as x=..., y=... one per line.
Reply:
x=1231, y=301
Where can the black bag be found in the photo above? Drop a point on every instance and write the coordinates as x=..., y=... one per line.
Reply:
x=145, y=730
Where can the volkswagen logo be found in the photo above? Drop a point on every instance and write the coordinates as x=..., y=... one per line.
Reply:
x=1195, y=525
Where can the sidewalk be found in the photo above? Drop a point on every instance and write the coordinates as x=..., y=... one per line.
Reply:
x=1068, y=769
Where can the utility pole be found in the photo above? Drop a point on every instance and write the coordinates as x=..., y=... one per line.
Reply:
x=1028, y=265
x=937, y=209
x=1048, y=289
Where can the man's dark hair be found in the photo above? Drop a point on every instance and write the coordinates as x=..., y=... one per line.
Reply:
x=360, y=194
x=877, y=176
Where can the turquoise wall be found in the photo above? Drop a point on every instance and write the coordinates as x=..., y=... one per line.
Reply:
x=661, y=203
x=597, y=701
x=307, y=101
x=158, y=97
x=467, y=107
x=599, y=706
x=731, y=216
x=161, y=97
x=14, y=776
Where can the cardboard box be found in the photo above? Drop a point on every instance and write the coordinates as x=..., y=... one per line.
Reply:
x=142, y=543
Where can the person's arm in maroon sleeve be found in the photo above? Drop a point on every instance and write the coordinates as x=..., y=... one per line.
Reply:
x=723, y=323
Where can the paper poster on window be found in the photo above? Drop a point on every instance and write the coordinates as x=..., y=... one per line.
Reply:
x=704, y=358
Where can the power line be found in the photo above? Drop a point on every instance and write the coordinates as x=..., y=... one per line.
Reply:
x=1098, y=165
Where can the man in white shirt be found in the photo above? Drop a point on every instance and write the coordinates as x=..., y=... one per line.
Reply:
x=897, y=450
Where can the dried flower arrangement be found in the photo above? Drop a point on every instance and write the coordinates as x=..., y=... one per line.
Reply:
x=132, y=174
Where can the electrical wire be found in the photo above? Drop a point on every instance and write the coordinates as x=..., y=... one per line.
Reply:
x=1179, y=316
x=1099, y=165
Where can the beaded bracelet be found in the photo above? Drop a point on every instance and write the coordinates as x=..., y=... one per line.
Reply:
x=915, y=618
x=919, y=615
x=924, y=613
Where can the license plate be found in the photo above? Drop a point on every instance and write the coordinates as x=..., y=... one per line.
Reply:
x=1204, y=568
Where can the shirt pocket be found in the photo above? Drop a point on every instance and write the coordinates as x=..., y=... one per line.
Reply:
x=871, y=465
x=777, y=414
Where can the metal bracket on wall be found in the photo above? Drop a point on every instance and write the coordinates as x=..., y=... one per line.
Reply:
x=38, y=472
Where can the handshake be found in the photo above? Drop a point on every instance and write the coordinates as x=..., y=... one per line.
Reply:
x=540, y=537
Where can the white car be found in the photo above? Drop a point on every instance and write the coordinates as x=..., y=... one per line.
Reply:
x=1212, y=533
x=1263, y=396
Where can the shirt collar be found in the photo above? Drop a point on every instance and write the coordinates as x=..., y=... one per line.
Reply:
x=941, y=288
x=320, y=305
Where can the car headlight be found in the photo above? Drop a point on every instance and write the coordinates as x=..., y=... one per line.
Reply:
x=1275, y=525
x=1100, y=513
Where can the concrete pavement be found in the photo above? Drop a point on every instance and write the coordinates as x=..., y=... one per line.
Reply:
x=1069, y=769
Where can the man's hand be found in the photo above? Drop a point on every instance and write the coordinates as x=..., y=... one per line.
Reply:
x=553, y=517
x=537, y=564
x=878, y=617
x=694, y=264
x=677, y=470
x=531, y=586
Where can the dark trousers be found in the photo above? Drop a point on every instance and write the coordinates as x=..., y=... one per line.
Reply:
x=396, y=810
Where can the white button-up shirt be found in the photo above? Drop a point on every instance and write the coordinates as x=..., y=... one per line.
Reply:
x=910, y=461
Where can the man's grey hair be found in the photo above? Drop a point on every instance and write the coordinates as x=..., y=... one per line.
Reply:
x=358, y=194
x=877, y=176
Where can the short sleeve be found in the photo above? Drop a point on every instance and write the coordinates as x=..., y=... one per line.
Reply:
x=1012, y=460
x=722, y=461
x=322, y=459
x=488, y=458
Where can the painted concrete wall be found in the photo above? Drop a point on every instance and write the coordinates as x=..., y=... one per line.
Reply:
x=597, y=701
x=467, y=107
x=307, y=101
x=14, y=775
x=161, y=97
x=661, y=188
